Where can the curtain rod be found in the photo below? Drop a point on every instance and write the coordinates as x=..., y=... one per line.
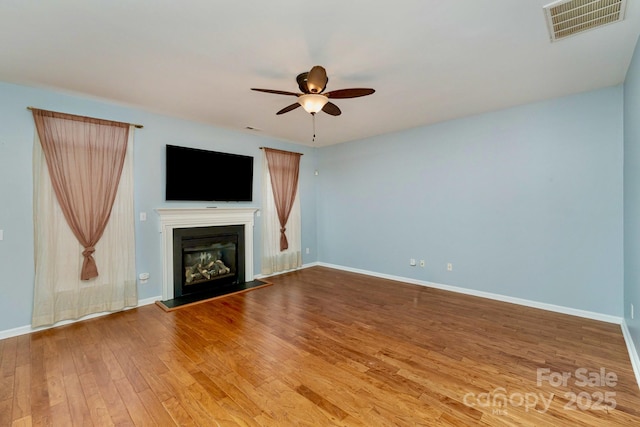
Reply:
x=132, y=124
x=282, y=151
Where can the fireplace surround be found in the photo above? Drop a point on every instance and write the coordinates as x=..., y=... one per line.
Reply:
x=184, y=218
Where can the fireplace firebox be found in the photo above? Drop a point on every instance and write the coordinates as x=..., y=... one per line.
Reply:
x=207, y=258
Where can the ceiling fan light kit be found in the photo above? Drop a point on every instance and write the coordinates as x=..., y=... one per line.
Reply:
x=312, y=103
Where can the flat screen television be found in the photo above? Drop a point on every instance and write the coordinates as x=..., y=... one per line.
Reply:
x=202, y=175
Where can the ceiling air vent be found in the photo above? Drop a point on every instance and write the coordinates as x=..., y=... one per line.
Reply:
x=568, y=17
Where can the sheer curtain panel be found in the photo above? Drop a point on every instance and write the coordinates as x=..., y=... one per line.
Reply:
x=84, y=158
x=281, y=242
x=61, y=292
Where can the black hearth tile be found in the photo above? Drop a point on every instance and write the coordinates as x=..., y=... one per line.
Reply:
x=206, y=295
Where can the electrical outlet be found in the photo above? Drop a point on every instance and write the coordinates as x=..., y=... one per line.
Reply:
x=307, y=251
x=412, y=262
x=449, y=267
x=143, y=216
x=422, y=263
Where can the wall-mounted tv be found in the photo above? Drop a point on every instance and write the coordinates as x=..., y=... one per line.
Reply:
x=203, y=175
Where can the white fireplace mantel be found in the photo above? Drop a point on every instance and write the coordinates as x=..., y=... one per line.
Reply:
x=171, y=218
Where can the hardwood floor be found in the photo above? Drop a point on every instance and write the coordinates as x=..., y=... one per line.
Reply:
x=322, y=347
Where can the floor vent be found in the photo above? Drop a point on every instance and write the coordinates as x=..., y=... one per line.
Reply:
x=569, y=17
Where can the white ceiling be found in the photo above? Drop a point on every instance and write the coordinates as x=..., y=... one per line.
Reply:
x=429, y=60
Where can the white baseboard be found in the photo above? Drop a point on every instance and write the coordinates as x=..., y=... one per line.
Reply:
x=633, y=354
x=498, y=297
x=27, y=329
x=303, y=266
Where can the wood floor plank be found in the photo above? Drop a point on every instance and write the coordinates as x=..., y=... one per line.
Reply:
x=321, y=347
x=8, y=356
x=5, y=412
x=22, y=422
x=98, y=410
x=7, y=387
x=154, y=407
x=39, y=393
x=115, y=405
x=190, y=401
x=135, y=407
x=75, y=401
x=22, y=393
x=61, y=416
x=179, y=415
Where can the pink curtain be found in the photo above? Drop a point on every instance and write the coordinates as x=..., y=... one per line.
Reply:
x=85, y=158
x=284, y=167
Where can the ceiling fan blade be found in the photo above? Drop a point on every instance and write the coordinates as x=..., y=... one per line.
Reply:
x=349, y=93
x=277, y=92
x=317, y=79
x=289, y=108
x=331, y=108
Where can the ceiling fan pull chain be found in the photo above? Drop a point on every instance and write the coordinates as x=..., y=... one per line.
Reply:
x=314, y=127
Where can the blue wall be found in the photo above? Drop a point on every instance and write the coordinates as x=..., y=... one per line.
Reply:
x=16, y=184
x=525, y=202
x=632, y=197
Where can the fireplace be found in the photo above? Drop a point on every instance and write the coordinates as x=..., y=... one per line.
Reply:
x=201, y=218
x=207, y=258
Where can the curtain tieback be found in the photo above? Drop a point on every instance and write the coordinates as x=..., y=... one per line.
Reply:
x=284, y=244
x=88, y=251
x=89, y=267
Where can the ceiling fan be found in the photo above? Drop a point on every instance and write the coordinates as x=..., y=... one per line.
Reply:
x=313, y=99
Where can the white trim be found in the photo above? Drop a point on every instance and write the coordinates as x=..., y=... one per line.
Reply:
x=498, y=297
x=302, y=267
x=23, y=330
x=171, y=218
x=633, y=354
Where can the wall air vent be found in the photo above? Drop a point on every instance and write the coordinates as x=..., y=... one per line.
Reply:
x=568, y=17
